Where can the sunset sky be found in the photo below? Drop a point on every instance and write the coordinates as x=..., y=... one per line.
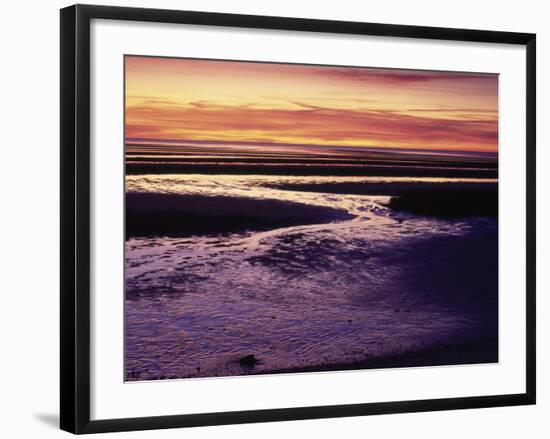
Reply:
x=224, y=101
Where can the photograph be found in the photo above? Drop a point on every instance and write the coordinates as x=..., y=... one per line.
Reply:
x=286, y=218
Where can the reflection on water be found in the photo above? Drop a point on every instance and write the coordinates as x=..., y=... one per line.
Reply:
x=256, y=186
x=298, y=296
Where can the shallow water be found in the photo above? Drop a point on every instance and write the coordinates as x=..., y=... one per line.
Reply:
x=299, y=296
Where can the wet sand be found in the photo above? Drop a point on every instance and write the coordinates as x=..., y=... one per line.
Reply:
x=456, y=275
x=298, y=286
x=475, y=352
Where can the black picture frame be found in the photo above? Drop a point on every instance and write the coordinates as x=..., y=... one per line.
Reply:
x=75, y=217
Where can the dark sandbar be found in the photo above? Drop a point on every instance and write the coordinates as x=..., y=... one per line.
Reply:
x=425, y=198
x=155, y=214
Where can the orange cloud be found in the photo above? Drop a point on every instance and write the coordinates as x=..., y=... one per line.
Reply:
x=276, y=103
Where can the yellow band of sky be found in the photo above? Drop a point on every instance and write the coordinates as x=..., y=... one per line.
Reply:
x=231, y=101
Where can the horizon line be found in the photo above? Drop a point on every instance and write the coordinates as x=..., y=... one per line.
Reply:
x=439, y=151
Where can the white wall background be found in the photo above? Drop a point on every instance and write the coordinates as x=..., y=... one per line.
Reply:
x=29, y=218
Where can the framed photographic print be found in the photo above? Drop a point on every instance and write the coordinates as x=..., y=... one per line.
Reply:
x=267, y=218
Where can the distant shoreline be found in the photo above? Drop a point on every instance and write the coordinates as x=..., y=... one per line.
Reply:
x=310, y=169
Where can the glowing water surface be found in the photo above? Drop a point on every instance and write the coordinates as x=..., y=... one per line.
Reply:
x=293, y=297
